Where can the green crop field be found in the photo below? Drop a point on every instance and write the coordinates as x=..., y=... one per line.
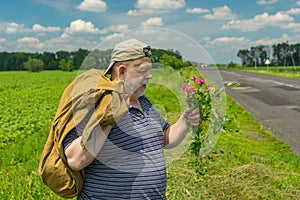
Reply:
x=248, y=162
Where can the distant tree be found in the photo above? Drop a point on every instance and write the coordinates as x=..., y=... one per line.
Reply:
x=159, y=54
x=174, y=62
x=79, y=57
x=34, y=65
x=244, y=54
x=231, y=64
x=62, y=55
x=49, y=60
x=253, y=57
x=98, y=59
x=67, y=66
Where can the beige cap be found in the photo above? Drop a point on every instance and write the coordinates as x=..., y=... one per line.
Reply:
x=128, y=50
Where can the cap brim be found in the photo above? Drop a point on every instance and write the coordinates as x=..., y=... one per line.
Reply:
x=109, y=68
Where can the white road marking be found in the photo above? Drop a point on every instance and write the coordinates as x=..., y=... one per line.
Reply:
x=284, y=84
x=246, y=89
x=293, y=107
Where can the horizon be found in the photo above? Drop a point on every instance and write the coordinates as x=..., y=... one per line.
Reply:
x=217, y=29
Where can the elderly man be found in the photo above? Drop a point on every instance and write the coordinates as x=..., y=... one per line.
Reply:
x=130, y=163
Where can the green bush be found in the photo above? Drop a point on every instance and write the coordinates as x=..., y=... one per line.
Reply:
x=66, y=65
x=34, y=65
x=174, y=62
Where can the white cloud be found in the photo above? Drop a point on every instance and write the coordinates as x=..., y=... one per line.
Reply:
x=160, y=4
x=2, y=39
x=114, y=36
x=259, y=22
x=154, y=21
x=220, y=13
x=229, y=42
x=28, y=40
x=271, y=41
x=40, y=28
x=3, y=48
x=155, y=6
x=57, y=4
x=231, y=45
x=92, y=6
x=141, y=12
x=298, y=3
x=30, y=46
x=293, y=11
x=68, y=43
x=223, y=40
x=292, y=26
x=12, y=28
x=266, y=2
x=196, y=10
x=81, y=26
x=117, y=28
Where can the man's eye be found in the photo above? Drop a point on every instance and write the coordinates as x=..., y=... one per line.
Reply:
x=142, y=70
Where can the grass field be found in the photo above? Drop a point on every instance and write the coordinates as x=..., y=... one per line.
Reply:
x=248, y=162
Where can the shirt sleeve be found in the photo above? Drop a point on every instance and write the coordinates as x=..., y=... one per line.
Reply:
x=71, y=136
x=76, y=132
x=162, y=121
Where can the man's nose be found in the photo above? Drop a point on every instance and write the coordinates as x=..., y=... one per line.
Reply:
x=149, y=75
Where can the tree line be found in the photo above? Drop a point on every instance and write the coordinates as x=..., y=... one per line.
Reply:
x=15, y=60
x=281, y=54
x=80, y=59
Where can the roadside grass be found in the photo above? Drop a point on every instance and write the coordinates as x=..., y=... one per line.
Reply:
x=248, y=161
x=288, y=71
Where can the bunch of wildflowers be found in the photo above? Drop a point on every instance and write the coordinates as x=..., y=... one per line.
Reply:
x=198, y=95
x=210, y=100
x=201, y=94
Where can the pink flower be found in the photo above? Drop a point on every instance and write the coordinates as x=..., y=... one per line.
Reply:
x=194, y=78
x=208, y=87
x=192, y=90
x=184, y=87
x=201, y=81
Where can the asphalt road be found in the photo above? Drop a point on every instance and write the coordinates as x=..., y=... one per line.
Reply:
x=274, y=101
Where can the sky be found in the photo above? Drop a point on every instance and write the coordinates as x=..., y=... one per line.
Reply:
x=201, y=30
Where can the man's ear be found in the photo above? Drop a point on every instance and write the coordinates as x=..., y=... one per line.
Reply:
x=122, y=71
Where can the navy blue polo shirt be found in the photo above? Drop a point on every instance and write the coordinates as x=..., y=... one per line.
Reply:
x=131, y=164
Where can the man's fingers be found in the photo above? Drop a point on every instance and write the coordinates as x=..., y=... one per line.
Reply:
x=193, y=116
x=194, y=120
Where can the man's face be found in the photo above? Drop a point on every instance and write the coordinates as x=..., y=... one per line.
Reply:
x=137, y=77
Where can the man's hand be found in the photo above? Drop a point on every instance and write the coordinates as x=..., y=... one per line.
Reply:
x=193, y=117
x=176, y=133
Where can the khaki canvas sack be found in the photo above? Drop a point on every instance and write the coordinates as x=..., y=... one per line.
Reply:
x=88, y=90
